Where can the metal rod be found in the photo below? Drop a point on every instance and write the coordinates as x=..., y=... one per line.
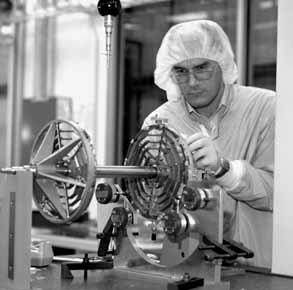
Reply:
x=126, y=171
x=101, y=171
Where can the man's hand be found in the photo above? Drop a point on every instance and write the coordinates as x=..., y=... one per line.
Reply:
x=204, y=152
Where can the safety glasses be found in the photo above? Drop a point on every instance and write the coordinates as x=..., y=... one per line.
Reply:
x=201, y=72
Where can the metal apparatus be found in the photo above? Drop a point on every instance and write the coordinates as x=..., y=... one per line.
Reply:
x=157, y=170
x=171, y=212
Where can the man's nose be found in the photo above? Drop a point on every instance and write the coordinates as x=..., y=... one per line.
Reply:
x=192, y=79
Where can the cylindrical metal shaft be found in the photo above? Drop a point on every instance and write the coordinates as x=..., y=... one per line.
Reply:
x=126, y=171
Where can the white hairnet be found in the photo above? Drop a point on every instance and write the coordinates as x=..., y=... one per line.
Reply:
x=194, y=39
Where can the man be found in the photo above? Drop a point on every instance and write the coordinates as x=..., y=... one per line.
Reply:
x=229, y=128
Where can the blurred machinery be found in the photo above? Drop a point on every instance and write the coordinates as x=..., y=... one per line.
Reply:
x=170, y=213
x=6, y=6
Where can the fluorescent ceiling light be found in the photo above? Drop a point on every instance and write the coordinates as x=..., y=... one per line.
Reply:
x=131, y=3
x=268, y=4
x=188, y=16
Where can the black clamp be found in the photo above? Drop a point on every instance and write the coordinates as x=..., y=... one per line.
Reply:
x=228, y=250
x=86, y=264
x=113, y=232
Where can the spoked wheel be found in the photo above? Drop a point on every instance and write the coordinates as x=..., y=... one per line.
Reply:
x=159, y=147
x=65, y=171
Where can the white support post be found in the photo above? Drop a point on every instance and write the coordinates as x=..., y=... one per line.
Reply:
x=283, y=195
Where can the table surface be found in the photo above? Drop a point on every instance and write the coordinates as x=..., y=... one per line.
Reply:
x=49, y=278
x=120, y=279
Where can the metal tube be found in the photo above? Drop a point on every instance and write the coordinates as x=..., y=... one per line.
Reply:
x=15, y=97
x=126, y=171
x=241, y=40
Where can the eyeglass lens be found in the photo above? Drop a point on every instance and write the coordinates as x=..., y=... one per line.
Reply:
x=182, y=75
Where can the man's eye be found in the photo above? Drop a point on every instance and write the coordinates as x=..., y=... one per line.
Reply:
x=181, y=70
x=201, y=67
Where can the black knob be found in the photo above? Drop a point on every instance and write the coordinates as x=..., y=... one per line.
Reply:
x=104, y=193
x=172, y=223
x=119, y=217
x=109, y=7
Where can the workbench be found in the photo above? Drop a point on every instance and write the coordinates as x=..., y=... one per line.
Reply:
x=82, y=238
x=49, y=278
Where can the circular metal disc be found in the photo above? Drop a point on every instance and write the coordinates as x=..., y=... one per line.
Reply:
x=65, y=171
x=157, y=248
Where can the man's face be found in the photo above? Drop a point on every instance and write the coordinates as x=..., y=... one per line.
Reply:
x=200, y=82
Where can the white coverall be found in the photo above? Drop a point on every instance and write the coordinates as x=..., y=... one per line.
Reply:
x=242, y=129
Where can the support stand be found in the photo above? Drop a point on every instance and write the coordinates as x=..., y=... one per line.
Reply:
x=110, y=240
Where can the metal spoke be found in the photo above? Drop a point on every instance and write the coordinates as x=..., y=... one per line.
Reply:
x=62, y=178
x=160, y=146
x=69, y=158
x=66, y=199
x=46, y=146
x=60, y=153
x=50, y=191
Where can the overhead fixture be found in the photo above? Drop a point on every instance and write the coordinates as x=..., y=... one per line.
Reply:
x=177, y=18
x=267, y=4
x=131, y=3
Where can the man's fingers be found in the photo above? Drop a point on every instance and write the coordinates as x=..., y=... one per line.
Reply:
x=196, y=145
x=202, y=163
x=199, y=154
x=195, y=137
